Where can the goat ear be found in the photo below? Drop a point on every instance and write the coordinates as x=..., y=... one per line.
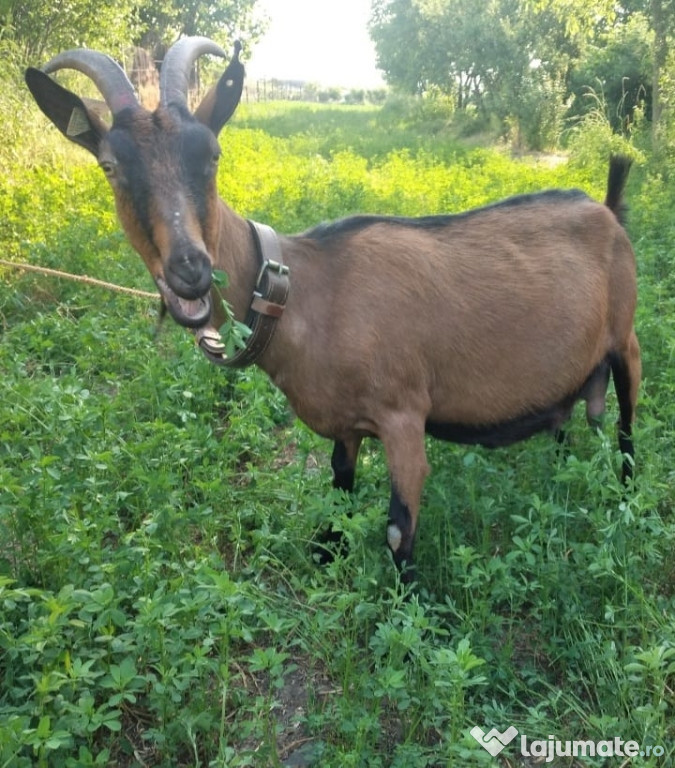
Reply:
x=66, y=110
x=220, y=102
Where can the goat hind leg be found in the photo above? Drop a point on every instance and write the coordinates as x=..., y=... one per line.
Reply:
x=627, y=371
x=343, y=464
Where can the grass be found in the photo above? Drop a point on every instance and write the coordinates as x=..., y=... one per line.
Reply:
x=159, y=602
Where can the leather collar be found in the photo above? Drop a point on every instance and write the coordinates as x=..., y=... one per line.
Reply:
x=267, y=304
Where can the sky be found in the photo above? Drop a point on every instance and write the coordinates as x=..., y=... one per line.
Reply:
x=321, y=41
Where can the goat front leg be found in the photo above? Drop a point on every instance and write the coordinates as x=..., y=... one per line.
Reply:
x=403, y=441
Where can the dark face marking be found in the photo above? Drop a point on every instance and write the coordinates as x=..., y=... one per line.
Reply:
x=131, y=175
x=199, y=154
x=161, y=158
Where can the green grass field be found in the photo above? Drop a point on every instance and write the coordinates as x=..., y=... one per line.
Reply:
x=159, y=602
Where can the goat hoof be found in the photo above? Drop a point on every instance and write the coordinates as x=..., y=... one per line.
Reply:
x=328, y=545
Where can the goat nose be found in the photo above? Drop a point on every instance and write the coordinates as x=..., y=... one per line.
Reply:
x=188, y=272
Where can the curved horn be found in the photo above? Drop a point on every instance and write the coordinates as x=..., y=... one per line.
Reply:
x=106, y=73
x=174, y=77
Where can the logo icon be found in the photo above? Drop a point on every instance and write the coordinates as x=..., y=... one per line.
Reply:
x=494, y=741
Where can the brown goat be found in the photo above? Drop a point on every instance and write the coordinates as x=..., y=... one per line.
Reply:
x=484, y=327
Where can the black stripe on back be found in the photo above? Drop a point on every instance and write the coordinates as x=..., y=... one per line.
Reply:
x=353, y=224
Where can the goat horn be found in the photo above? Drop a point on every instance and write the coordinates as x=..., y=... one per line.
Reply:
x=174, y=77
x=106, y=73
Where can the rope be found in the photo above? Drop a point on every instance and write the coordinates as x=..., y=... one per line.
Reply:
x=81, y=279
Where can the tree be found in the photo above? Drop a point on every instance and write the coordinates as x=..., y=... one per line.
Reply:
x=521, y=61
x=38, y=28
x=661, y=15
x=493, y=55
x=397, y=29
x=161, y=22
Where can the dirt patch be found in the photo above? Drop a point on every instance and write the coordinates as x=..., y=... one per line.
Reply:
x=288, y=734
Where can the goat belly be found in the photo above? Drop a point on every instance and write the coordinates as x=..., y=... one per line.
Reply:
x=506, y=432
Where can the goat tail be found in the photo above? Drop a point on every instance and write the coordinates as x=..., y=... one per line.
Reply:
x=619, y=167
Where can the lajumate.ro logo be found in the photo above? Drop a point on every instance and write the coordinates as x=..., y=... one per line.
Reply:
x=495, y=741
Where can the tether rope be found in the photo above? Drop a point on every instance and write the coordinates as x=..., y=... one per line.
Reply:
x=80, y=279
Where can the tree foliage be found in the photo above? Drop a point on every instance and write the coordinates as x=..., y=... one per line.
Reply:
x=162, y=22
x=492, y=56
x=39, y=28
x=523, y=62
x=616, y=69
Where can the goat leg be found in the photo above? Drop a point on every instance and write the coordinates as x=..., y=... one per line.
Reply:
x=626, y=371
x=343, y=463
x=403, y=441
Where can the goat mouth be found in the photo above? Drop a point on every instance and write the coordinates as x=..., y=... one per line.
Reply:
x=190, y=313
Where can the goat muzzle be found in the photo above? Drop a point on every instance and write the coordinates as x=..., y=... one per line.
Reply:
x=186, y=285
x=188, y=312
x=188, y=272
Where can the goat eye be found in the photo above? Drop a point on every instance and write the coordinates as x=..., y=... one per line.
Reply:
x=212, y=166
x=108, y=167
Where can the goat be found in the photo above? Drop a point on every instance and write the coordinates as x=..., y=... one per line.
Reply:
x=483, y=327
